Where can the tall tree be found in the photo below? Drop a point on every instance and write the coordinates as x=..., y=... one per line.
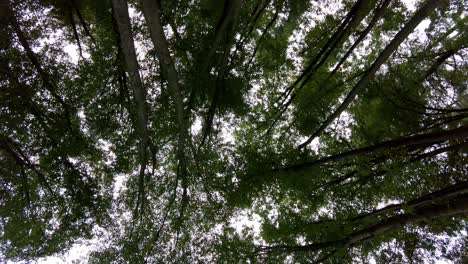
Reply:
x=235, y=131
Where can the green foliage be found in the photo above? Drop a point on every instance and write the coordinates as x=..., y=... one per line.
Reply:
x=373, y=185
x=315, y=100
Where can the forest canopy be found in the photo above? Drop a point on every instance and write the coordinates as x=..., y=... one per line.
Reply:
x=234, y=131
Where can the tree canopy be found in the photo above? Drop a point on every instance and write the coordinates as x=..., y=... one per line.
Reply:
x=160, y=128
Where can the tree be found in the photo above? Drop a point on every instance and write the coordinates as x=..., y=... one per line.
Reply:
x=339, y=126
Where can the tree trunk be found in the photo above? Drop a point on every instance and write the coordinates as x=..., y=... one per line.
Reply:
x=426, y=9
x=120, y=12
x=457, y=133
x=456, y=206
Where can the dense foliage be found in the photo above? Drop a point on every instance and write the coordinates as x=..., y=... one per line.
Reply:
x=157, y=128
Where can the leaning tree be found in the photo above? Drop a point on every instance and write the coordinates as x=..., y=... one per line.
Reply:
x=159, y=129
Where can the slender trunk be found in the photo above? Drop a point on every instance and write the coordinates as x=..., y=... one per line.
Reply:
x=257, y=46
x=378, y=14
x=245, y=32
x=332, y=42
x=228, y=25
x=361, y=8
x=122, y=19
x=152, y=13
x=10, y=147
x=446, y=193
x=82, y=21
x=225, y=24
x=456, y=206
x=426, y=9
x=256, y=15
x=457, y=133
x=440, y=60
x=352, y=19
x=75, y=32
x=435, y=152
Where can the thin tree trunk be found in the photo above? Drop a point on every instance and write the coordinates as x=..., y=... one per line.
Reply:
x=225, y=24
x=378, y=14
x=82, y=21
x=448, y=192
x=226, y=29
x=75, y=32
x=121, y=16
x=152, y=13
x=457, y=133
x=426, y=9
x=352, y=19
x=456, y=206
x=451, y=208
x=22, y=160
x=439, y=61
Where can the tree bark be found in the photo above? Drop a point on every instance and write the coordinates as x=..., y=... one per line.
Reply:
x=378, y=14
x=440, y=136
x=152, y=13
x=121, y=16
x=225, y=28
x=448, y=192
x=424, y=11
x=456, y=206
x=225, y=24
x=352, y=19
